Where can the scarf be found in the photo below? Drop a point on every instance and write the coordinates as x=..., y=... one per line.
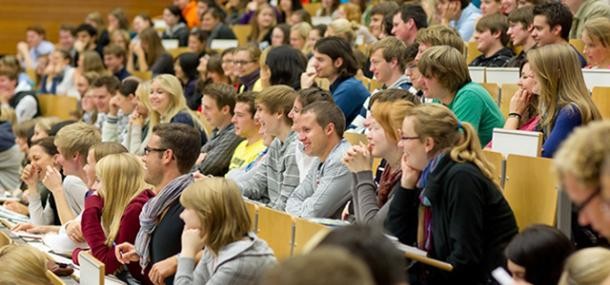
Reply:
x=152, y=211
x=424, y=229
x=389, y=177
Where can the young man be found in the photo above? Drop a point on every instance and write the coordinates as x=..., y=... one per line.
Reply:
x=114, y=60
x=388, y=65
x=445, y=78
x=168, y=158
x=212, y=21
x=334, y=60
x=378, y=14
x=24, y=103
x=67, y=37
x=584, y=10
x=217, y=108
x=491, y=41
x=552, y=23
x=102, y=90
x=34, y=47
x=121, y=105
x=326, y=187
x=276, y=178
x=73, y=143
x=407, y=21
x=86, y=38
x=520, y=33
x=247, y=128
x=461, y=15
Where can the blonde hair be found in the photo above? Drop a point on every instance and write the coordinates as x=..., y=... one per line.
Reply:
x=220, y=208
x=278, y=99
x=561, y=84
x=583, y=153
x=598, y=29
x=8, y=114
x=352, y=12
x=344, y=29
x=103, y=149
x=77, y=138
x=45, y=124
x=23, y=264
x=437, y=122
x=446, y=64
x=177, y=102
x=390, y=115
x=589, y=266
x=122, y=177
x=441, y=35
x=302, y=29
x=92, y=62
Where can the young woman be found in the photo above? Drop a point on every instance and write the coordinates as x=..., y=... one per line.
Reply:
x=537, y=255
x=88, y=111
x=111, y=214
x=522, y=112
x=280, y=35
x=214, y=71
x=328, y=8
x=464, y=219
x=596, y=37
x=371, y=203
x=139, y=23
x=149, y=54
x=23, y=264
x=176, y=27
x=298, y=37
x=283, y=65
x=564, y=100
x=228, y=66
x=262, y=26
x=137, y=132
x=587, y=266
x=288, y=7
x=215, y=219
x=186, y=71
x=43, y=127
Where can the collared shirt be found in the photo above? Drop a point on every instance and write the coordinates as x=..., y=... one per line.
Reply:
x=468, y=19
x=219, y=151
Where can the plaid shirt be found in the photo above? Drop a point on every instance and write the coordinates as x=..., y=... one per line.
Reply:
x=219, y=151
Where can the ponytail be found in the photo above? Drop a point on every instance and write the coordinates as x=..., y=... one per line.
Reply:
x=469, y=150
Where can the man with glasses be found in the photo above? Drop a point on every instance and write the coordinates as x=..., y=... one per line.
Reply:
x=245, y=62
x=168, y=158
x=579, y=165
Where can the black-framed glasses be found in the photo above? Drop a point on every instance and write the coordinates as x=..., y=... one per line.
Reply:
x=147, y=150
x=587, y=201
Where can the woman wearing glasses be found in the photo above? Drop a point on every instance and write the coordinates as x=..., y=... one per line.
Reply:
x=464, y=220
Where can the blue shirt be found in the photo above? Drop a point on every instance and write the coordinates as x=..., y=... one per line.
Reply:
x=566, y=121
x=467, y=21
x=349, y=95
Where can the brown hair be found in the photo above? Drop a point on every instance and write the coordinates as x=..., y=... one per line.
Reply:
x=248, y=98
x=278, y=99
x=393, y=48
x=154, y=48
x=439, y=35
x=223, y=95
x=393, y=94
x=327, y=114
x=116, y=50
x=183, y=140
x=77, y=138
x=494, y=23
x=522, y=15
x=37, y=29
x=598, y=29
x=446, y=63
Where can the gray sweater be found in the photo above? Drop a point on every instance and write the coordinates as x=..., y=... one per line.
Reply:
x=364, y=198
x=238, y=263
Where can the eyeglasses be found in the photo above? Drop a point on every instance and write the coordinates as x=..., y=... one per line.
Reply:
x=147, y=150
x=242, y=62
x=227, y=61
x=401, y=137
x=587, y=201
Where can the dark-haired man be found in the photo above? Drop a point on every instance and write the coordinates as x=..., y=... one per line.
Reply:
x=407, y=21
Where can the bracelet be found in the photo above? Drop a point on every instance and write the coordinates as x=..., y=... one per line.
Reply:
x=517, y=115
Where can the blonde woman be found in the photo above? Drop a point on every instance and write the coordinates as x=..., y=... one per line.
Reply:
x=596, y=37
x=111, y=214
x=24, y=265
x=298, y=37
x=137, y=135
x=464, y=219
x=564, y=100
x=216, y=220
x=262, y=26
x=590, y=266
x=168, y=105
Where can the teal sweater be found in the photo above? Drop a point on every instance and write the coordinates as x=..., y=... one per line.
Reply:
x=473, y=104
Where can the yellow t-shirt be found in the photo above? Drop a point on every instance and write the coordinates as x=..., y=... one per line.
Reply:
x=244, y=153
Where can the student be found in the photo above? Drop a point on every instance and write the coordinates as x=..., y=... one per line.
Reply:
x=596, y=38
x=24, y=103
x=287, y=8
x=34, y=47
x=584, y=11
x=523, y=109
x=149, y=55
x=283, y=66
x=492, y=41
x=248, y=129
x=278, y=176
x=58, y=76
x=247, y=67
x=116, y=125
x=185, y=68
x=465, y=219
x=519, y=31
x=537, y=255
x=460, y=15
x=217, y=109
x=439, y=35
x=325, y=189
x=587, y=266
x=446, y=78
x=23, y=264
x=564, y=99
x=371, y=202
x=227, y=57
x=490, y=7
x=388, y=65
x=216, y=219
x=552, y=22
x=334, y=60
x=300, y=16
x=176, y=27
x=262, y=24
x=579, y=164
x=378, y=13
x=10, y=155
x=407, y=21
x=198, y=41
x=189, y=12
x=86, y=40
x=298, y=37
x=280, y=35
x=102, y=90
x=115, y=58
x=212, y=21
x=169, y=156
x=111, y=214
x=43, y=126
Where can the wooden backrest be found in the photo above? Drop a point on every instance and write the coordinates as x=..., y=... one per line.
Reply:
x=517, y=142
x=494, y=91
x=596, y=78
x=241, y=33
x=312, y=8
x=55, y=280
x=355, y=138
x=578, y=45
x=507, y=92
x=144, y=75
x=277, y=229
x=601, y=98
x=471, y=51
x=92, y=270
x=60, y=106
x=5, y=239
x=531, y=189
x=497, y=160
x=253, y=213
x=502, y=75
x=176, y=52
x=304, y=232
